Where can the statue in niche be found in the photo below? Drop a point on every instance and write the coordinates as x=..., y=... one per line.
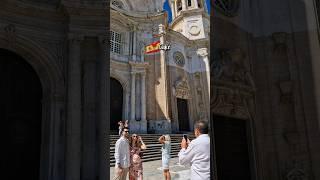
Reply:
x=229, y=65
x=296, y=173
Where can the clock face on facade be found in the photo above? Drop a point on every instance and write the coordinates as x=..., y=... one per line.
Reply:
x=194, y=30
x=227, y=7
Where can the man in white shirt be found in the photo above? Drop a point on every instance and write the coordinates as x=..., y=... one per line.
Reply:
x=197, y=152
x=122, y=156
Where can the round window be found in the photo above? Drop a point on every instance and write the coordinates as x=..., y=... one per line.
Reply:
x=178, y=58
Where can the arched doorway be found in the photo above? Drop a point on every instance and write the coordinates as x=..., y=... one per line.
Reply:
x=183, y=115
x=20, y=118
x=116, y=103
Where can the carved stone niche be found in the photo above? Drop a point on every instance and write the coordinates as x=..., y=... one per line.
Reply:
x=280, y=42
x=181, y=89
x=10, y=32
x=296, y=173
x=286, y=92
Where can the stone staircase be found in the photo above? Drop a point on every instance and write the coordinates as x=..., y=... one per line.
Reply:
x=153, y=151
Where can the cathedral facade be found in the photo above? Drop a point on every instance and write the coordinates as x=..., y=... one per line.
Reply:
x=53, y=73
x=165, y=91
x=265, y=95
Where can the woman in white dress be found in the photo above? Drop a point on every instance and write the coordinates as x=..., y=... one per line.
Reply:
x=166, y=149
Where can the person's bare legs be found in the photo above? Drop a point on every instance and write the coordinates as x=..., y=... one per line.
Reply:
x=166, y=174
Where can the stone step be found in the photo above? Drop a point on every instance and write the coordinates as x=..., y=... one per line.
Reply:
x=153, y=151
x=150, y=151
x=153, y=158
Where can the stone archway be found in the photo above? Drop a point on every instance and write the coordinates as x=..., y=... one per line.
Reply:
x=116, y=103
x=52, y=115
x=21, y=106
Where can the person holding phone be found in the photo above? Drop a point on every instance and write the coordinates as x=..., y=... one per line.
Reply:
x=165, y=140
x=197, y=152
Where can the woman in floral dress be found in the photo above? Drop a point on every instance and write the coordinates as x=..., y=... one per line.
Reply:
x=136, y=147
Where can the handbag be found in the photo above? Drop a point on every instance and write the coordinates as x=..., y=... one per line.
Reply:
x=141, y=154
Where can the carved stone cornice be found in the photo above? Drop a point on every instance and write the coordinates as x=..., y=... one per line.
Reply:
x=138, y=66
x=75, y=38
x=230, y=102
x=46, y=11
x=203, y=52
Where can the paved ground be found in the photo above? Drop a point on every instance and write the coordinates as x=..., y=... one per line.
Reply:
x=152, y=171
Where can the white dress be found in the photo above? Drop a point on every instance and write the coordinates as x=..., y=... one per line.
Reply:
x=166, y=149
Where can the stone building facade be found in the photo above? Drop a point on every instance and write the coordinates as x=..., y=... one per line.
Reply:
x=54, y=72
x=53, y=89
x=164, y=91
x=265, y=95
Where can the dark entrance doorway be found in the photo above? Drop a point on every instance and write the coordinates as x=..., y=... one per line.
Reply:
x=232, y=148
x=116, y=103
x=183, y=114
x=20, y=117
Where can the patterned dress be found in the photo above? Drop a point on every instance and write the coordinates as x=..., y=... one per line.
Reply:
x=136, y=169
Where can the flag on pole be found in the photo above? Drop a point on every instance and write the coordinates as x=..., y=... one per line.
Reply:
x=152, y=48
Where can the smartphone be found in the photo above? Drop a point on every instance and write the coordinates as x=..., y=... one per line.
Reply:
x=185, y=137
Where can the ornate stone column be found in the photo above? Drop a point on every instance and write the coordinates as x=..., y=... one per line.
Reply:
x=142, y=54
x=143, y=96
x=184, y=5
x=203, y=52
x=134, y=48
x=173, y=10
x=103, y=110
x=58, y=118
x=73, y=154
x=196, y=4
x=133, y=98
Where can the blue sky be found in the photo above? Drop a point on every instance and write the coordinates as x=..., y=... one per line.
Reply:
x=167, y=7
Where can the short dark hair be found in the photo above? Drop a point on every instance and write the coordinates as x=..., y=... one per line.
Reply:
x=125, y=128
x=203, y=126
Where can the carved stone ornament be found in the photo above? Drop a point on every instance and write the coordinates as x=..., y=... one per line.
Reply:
x=280, y=42
x=10, y=31
x=228, y=102
x=182, y=89
x=296, y=173
x=117, y=4
x=194, y=30
x=228, y=8
x=286, y=88
x=230, y=66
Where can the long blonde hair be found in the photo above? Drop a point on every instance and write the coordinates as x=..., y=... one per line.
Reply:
x=167, y=138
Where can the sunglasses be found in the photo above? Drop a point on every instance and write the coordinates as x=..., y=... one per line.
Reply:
x=126, y=131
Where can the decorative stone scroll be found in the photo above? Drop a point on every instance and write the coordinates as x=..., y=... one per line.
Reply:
x=230, y=65
x=228, y=8
x=182, y=89
x=296, y=173
x=10, y=31
x=229, y=102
